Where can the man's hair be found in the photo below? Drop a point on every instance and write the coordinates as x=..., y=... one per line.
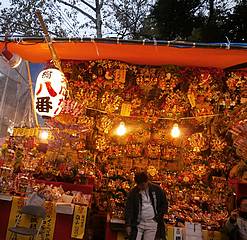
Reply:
x=240, y=200
x=141, y=177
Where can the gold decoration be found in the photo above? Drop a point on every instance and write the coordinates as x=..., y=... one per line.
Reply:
x=125, y=109
x=198, y=142
x=120, y=76
x=153, y=151
x=218, y=144
x=65, y=118
x=147, y=78
x=141, y=135
x=86, y=121
x=152, y=171
x=105, y=124
x=167, y=81
x=102, y=143
x=110, y=102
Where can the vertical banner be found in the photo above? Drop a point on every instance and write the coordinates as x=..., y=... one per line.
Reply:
x=17, y=204
x=47, y=227
x=79, y=222
x=169, y=233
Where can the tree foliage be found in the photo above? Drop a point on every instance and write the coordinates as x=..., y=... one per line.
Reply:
x=20, y=18
x=197, y=20
x=128, y=17
x=194, y=20
x=122, y=18
x=175, y=18
x=237, y=24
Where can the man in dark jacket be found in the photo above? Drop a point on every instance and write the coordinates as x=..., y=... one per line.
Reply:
x=236, y=225
x=145, y=208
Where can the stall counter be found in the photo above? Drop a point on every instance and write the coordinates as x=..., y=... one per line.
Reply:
x=63, y=221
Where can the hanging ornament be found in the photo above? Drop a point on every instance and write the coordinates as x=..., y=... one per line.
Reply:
x=102, y=143
x=198, y=142
x=134, y=150
x=120, y=76
x=152, y=171
x=218, y=144
x=146, y=78
x=105, y=124
x=153, y=151
x=141, y=135
x=111, y=102
x=191, y=96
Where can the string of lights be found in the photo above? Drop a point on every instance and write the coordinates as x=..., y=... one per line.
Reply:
x=158, y=118
x=22, y=39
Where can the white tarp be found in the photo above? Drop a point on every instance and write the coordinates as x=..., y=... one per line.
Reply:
x=15, y=99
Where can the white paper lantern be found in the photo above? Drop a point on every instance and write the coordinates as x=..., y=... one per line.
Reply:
x=50, y=91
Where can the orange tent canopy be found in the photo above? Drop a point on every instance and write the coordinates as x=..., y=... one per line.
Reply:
x=135, y=53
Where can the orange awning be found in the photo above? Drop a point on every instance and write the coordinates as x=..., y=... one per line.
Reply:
x=135, y=53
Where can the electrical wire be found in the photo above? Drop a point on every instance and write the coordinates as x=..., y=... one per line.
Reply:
x=158, y=118
x=64, y=17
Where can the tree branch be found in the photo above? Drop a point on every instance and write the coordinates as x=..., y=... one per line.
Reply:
x=79, y=10
x=19, y=24
x=89, y=5
x=101, y=4
x=193, y=11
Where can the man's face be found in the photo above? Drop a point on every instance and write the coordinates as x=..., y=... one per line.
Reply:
x=142, y=186
x=243, y=206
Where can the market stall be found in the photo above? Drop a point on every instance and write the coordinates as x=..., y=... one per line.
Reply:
x=125, y=109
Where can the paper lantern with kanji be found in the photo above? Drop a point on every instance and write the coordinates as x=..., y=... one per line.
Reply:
x=50, y=92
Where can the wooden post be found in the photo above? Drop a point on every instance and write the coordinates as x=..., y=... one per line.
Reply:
x=55, y=58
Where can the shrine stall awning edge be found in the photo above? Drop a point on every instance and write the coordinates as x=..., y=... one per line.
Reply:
x=218, y=55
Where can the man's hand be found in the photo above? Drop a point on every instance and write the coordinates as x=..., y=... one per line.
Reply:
x=128, y=230
x=234, y=215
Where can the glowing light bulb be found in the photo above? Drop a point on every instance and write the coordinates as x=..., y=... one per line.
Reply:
x=121, y=130
x=10, y=130
x=175, y=132
x=44, y=135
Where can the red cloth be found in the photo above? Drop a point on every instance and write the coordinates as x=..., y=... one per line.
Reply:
x=5, y=207
x=239, y=187
x=109, y=234
x=63, y=227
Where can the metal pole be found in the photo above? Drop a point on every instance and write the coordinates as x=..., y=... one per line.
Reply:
x=31, y=93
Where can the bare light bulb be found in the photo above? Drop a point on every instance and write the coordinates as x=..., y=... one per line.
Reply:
x=10, y=130
x=44, y=135
x=121, y=130
x=175, y=132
